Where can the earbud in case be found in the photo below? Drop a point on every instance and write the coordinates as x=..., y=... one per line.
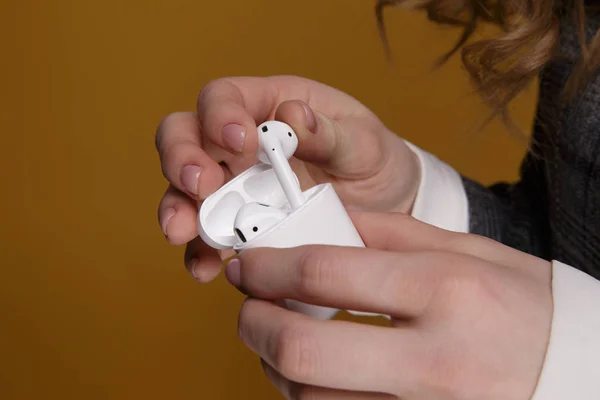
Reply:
x=314, y=217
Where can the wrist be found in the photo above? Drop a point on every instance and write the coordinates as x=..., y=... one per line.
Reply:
x=411, y=189
x=405, y=173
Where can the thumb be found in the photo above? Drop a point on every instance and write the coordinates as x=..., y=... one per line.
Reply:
x=348, y=148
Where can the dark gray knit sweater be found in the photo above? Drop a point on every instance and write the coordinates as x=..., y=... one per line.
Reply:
x=553, y=212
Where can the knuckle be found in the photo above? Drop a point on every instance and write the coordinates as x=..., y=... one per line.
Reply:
x=296, y=354
x=470, y=281
x=211, y=88
x=462, y=278
x=172, y=159
x=315, y=272
x=163, y=128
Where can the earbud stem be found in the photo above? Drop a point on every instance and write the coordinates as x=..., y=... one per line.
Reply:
x=284, y=173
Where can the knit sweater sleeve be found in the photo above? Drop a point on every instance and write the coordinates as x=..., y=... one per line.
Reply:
x=514, y=214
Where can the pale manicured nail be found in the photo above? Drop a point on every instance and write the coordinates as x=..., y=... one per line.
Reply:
x=233, y=272
x=167, y=215
x=234, y=136
x=311, y=120
x=189, y=178
x=193, y=265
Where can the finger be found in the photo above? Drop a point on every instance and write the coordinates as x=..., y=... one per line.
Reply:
x=358, y=279
x=177, y=217
x=295, y=391
x=330, y=354
x=202, y=261
x=400, y=232
x=348, y=148
x=229, y=109
x=232, y=164
x=184, y=163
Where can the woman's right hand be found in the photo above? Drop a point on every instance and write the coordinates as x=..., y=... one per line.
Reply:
x=340, y=141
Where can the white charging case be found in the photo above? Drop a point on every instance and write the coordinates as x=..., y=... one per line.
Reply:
x=322, y=220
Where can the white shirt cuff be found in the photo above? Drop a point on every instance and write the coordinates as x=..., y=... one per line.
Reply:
x=572, y=366
x=441, y=198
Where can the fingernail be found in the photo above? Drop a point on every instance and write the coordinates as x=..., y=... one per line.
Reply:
x=311, y=120
x=233, y=271
x=168, y=214
x=189, y=178
x=192, y=267
x=234, y=136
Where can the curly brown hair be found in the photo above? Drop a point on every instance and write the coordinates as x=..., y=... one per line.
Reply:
x=503, y=66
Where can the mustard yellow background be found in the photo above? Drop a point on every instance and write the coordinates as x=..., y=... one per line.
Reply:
x=93, y=302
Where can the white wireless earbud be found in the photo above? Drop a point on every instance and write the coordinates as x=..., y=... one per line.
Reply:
x=254, y=219
x=277, y=143
x=236, y=218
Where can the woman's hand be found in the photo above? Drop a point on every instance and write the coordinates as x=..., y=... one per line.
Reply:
x=471, y=318
x=340, y=141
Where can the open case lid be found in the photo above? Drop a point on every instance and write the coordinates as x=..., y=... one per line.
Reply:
x=217, y=213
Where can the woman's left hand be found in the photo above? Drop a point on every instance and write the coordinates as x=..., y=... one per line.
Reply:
x=471, y=317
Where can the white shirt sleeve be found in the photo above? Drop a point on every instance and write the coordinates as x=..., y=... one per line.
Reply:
x=441, y=198
x=572, y=366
